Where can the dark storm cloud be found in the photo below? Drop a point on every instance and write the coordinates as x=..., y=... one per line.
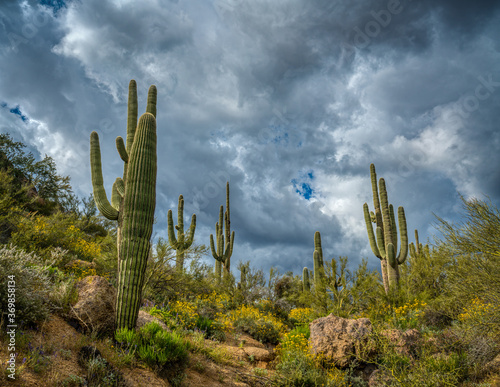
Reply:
x=261, y=93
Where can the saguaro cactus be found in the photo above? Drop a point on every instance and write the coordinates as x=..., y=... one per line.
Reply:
x=224, y=238
x=306, y=284
x=417, y=250
x=321, y=299
x=133, y=201
x=181, y=243
x=384, y=245
x=318, y=264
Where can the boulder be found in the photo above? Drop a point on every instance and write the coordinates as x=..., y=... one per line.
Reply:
x=95, y=309
x=405, y=343
x=337, y=340
x=145, y=318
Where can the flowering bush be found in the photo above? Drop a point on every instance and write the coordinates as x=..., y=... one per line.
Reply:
x=263, y=327
x=40, y=233
x=407, y=315
x=301, y=315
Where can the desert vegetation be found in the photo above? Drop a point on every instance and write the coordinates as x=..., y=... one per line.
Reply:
x=448, y=292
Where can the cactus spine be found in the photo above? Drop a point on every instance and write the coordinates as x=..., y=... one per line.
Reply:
x=181, y=243
x=224, y=238
x=306, y=284
x=384, y=245
x=132, y=204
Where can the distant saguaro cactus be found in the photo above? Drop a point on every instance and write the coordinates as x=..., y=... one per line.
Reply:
x=306, y=285
x=181, y=243
x=384, y=245
x=133, y=201
x=417, y=250
x=224, y=239
x=318, y=264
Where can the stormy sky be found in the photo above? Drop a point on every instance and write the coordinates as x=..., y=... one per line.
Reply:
x=288, y=100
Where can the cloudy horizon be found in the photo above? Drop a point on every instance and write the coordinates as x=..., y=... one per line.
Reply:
x=291, y=101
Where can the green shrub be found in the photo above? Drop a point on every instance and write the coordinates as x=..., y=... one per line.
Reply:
x=154, y=346
x=211, y=329
x=32, y=286
x=298, y=369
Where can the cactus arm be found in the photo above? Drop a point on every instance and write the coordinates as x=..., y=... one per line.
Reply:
x=227, y=215
x=120, y=186
x=229, y=248
x=416, y=241
x=116, y=197
x=413, y=253
x=376, y=201
x=122, y=151
x=192, y=229
x=212, y=247
x=385, y=212
x=132, y=114
x=393, y=227
x=180, y=219
x=101, y=200
x=380, y=242
x=317, y=246
x=369, y=228
x=391, y=256
x=403, y=235
x=151, y=106
x=171, y=234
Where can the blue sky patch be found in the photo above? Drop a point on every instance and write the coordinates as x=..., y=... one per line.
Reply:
x=17, y=112
x=303, y=186
x=56, y=5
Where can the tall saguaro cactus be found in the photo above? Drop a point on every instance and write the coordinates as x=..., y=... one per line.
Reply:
x=133, y=201
x=224, y=239
x=384, y=245
x=181, y=243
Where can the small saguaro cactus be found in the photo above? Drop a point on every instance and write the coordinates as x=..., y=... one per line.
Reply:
x=318, y=265
x=306, y=284
x=321, y=299
x=244, y=270
x=133, y=201
x=224, y=239
x=384, y=245
x=417, y=250
x=181, y=243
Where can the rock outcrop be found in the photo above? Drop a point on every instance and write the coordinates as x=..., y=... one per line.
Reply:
x=95, y=309
x=338, y=340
